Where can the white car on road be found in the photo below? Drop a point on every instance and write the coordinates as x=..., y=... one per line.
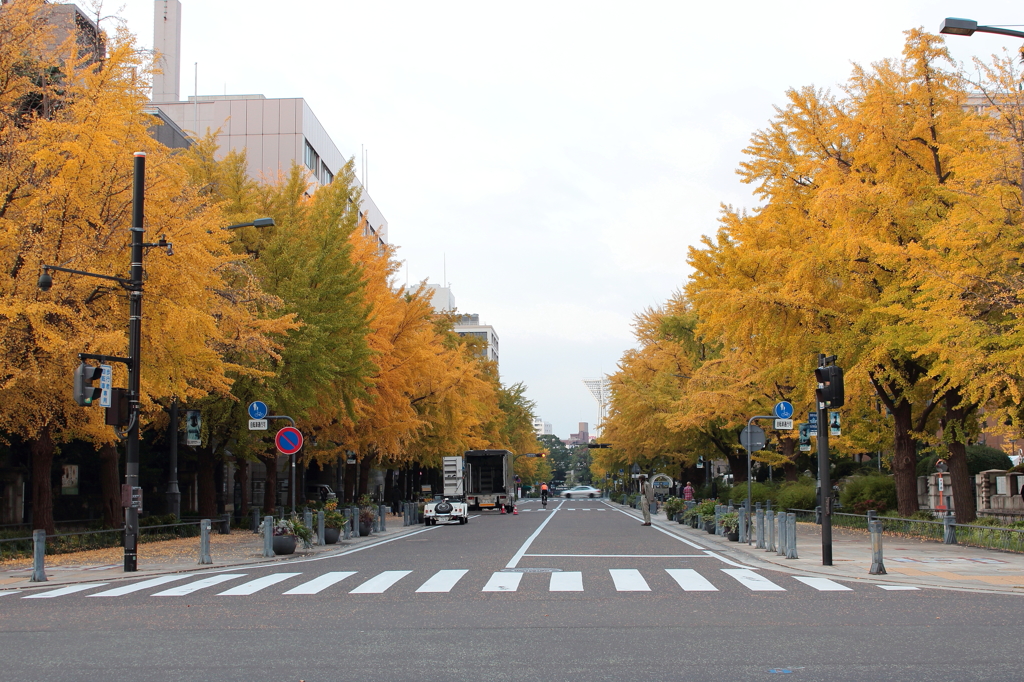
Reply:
x=582, y=491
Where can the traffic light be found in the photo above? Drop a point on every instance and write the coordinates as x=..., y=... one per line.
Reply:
x=85, y=392
x=831, y=390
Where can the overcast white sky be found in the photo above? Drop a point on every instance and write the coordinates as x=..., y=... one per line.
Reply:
x=561, y=156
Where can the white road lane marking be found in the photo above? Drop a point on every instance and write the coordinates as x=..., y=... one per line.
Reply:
x=182, y=590
x=136, y=587
x=628, y=580
x=690, y=580
x=822, y=584
x=503, y=582
x=381, y=582
x=514, y=561
x=670, y=534
x=70, y=589
x=254, y=586
x=752, y=581
x=443, y=581
x=320, y=583
x=895, y=588
x=566, y=581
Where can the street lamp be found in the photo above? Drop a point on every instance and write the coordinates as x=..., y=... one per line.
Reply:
x=968, y=27
x=259, y=222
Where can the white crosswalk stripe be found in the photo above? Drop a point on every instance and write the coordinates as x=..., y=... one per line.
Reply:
x=139, y=586
x=690, y=580
x=822, y=584
x=629, y=580
x=442, y=581
x=503, y=582
x=566, y=581
x=254, y=586
x=381, y=582
x=320, y=583
x=183, y=590
x=60, y=592
x=753, y=581
x=897, y=588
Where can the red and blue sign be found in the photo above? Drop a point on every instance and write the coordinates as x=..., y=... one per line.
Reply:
x=288, y=440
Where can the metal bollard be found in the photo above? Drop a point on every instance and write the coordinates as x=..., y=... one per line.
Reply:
x=949, y=528
x=225, y=524
x=307, y=518
x=781, y=519
x=320, y=528
x=204, y=542
x=346, y=529
x=743, y=525
x=355, y=521
x=877, y=566
x=817, y=515
x=255, y=520
x=769, y=517
x=791, y=536
x=768, y=506
x=38, y=556
x=405, y=513
x=760, y=528
x=383, y=518
x=718, y=519
x=268, y=536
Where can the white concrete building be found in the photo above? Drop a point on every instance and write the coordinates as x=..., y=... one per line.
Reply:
x=441, y=298
x=469, y=325
x=275, y=133
x=541, y=427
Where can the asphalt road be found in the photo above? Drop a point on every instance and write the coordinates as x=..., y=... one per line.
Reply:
x=577, y=592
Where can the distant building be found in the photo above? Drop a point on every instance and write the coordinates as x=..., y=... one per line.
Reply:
x=469, y=325
x=581, y=438
x=441, y=298
x=541, y=427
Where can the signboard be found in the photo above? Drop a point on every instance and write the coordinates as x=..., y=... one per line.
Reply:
x=194, y=428
x=700, y=462
x=752, y=437
x=69, y=479
x=783, y=410
x=257, y=424
x=812, y=423
x=288, y=440
x=834, y=427
x=257, y=410
x=805, y=437
x=106, y=383
x=131, y=496
x=783, y=424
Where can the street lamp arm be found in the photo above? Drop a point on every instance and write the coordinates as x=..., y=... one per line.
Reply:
x=1001, y=31
x=968, y=27
x=259, y=222
x=45, y=281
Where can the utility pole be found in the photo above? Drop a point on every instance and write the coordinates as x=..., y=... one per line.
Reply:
x=830, y=393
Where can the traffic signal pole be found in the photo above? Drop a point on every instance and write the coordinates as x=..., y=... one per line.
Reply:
x=824, y=476
x=131, y=475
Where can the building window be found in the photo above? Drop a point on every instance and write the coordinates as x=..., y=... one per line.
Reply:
x=312, y=160
x=326, y=176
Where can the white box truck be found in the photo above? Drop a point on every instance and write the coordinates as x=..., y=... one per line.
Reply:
x=490, y=481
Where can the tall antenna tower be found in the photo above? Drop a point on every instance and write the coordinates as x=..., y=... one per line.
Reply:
x=601, y=390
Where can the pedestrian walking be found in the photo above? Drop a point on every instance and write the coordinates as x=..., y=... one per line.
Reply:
x=688, y=492
x=646, y=499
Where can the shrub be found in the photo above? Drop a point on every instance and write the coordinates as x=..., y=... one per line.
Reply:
x=979, y=458
x=759, y=492
x=799, y=494
x=864, y=506
x=673, y=506
x=878, y=489
x=730, y=522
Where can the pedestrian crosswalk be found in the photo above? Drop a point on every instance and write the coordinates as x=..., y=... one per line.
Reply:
x=446, y=580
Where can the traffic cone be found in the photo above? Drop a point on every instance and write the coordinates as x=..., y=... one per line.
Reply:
x=502, y=509
x=515, y=510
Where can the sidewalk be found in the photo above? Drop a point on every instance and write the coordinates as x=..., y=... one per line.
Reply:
x=920, y=563
x=240, y=548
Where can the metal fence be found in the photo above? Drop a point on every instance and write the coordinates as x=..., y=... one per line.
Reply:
x=64, y=543
x=987, y=537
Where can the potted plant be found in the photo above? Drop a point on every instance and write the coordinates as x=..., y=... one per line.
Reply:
x=287, y=533
x=334, y=521
x=705, y=512
x=672, y=507
x=731, y=525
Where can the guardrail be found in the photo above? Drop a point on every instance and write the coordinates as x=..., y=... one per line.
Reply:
x=64, y=543
x=945, y=530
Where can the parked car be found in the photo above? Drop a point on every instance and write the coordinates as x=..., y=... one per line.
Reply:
x=320, y=491
x=582, y=491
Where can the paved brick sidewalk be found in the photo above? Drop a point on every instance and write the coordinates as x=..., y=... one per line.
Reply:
x=921, y=563
x=240, y=548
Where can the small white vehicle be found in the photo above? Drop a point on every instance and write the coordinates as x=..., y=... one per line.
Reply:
x=452, y=507
x=445, y=511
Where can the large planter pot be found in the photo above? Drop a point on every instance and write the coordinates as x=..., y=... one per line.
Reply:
x=734, y=536
x=709, y=526
x=331, y=535
x=284, y=544
x=365, y=528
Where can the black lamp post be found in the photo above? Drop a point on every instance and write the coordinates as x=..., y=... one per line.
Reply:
x=968, y=27
x=133, y=285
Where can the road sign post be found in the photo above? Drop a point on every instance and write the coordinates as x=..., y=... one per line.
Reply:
x=752, y=437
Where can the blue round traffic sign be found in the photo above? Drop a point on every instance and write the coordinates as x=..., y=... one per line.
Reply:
x=257, y=410
x=288, y=440
x=784, y=410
